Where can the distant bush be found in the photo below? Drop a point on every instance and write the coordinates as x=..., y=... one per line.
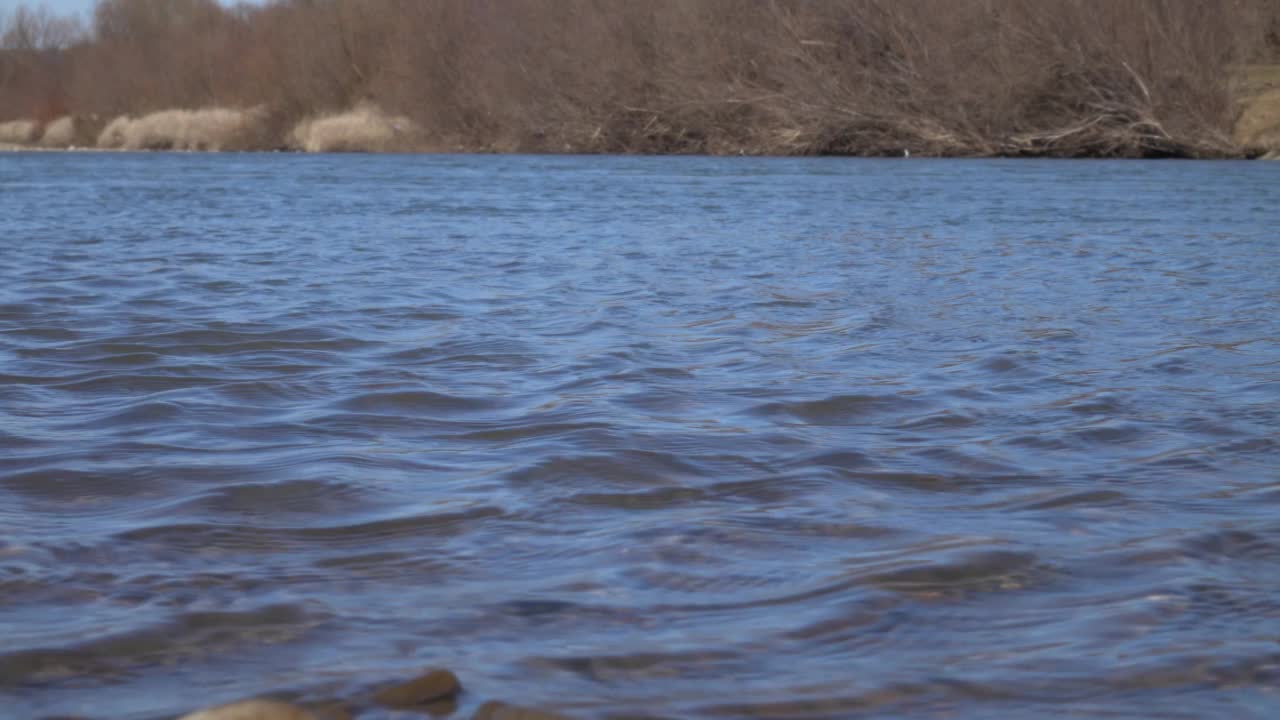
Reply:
x=1259, y=125
x=112, y=136
x=60, y=133
x=206, y=129
x=18, y=132
x=362, y=129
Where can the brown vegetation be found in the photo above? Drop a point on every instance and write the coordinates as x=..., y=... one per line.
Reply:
x=1258, y=97
x=964, y=77
x=18, y=132
x=205, y=129
x=60, y=133
x=363, y=129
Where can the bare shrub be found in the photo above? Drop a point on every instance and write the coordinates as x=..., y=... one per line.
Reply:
x=362, y=129
x=962, y=77
x=60, y=133
x=1259, y=123
x=18, y=132
x=209, y=129
x=112, y=136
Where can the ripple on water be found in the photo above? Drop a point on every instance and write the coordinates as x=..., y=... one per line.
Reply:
x=844, y=409
x=185, y=638
x=216, y=539
x=885, y=439
x=411, y=402
x=990, y=571
x=634, y=468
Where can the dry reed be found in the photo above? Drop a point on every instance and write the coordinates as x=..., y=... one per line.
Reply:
x=362, y=129
x=60, y=133
x=871, y=77
x=18, y=132
x=209, y=129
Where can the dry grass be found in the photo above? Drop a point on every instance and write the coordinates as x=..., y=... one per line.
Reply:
x=362, y=129
x=210, y=129
x=1137, y=78
x=18, y=132
x=1258, y=98
x=1259, y=123
x=1256, y=78
x=60, y=133
x=112, y=136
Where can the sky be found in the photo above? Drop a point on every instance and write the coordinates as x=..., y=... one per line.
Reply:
x=60, y=6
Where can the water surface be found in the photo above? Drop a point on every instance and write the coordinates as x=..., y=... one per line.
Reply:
x=659, y=437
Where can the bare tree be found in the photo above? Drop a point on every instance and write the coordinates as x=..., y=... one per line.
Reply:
x=964, y=77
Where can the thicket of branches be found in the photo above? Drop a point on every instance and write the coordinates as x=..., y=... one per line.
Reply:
x=953, y=77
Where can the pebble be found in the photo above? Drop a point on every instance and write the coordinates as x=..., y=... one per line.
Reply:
x=430, y=686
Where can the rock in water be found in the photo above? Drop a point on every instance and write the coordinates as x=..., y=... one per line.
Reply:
x=494, y=710
x=252, y=710
x=428, y=687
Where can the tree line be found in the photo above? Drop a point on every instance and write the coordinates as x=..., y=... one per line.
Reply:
x=1128, y=78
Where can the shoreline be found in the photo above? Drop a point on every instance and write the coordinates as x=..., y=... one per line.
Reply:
x=1273, y=154
x=988, y=78
x=366, y=128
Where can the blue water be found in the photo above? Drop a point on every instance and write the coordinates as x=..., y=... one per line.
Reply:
x=623, y=437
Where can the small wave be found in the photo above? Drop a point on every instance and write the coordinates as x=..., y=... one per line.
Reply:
x=274, y=500
x=1083, y=499
x=213, y=538
x=186, y=637
x=272, y=392
x=50, y=334
x=132, y=384
x=658, y=499
x=995, y=570
x=144, y=413
x=60, y=484
x=842, y=409
x=1241, y=546
x=417, y=402
x=1110, y=433
x=530, y=429
x=634, y=467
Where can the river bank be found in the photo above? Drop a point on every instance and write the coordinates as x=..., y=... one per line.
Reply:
x=988, y=78
x=367, y=128
x=1263, y=144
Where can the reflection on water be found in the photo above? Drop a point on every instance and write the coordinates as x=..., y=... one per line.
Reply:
x=641, y=436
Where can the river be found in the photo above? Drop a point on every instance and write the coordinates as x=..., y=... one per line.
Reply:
x=641, y=437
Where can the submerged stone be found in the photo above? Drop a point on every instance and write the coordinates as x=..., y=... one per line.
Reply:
x=428, y=687
x=252, y=710
x=494, y=710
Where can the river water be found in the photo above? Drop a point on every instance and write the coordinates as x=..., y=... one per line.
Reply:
x=641, y=437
